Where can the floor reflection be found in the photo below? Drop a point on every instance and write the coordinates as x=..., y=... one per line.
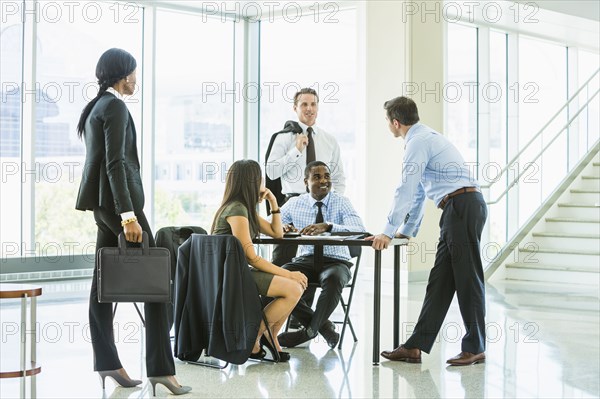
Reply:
x=543, y=341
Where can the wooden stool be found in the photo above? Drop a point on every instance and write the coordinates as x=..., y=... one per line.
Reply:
x=24, y=291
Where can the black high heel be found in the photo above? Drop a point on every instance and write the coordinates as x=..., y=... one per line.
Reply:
x=258, y=355
x=284, y=356
x=280, y=356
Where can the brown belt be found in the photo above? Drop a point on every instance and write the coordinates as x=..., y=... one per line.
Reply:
x=455, y=193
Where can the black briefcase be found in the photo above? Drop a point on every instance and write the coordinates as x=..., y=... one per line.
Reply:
x=141, y=274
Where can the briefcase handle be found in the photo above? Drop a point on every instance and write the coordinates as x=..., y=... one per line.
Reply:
x=123, y=244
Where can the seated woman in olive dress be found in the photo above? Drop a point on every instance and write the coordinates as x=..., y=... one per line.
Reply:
x=238, y=216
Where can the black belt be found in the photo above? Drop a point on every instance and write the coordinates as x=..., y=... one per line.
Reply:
x=455, y=193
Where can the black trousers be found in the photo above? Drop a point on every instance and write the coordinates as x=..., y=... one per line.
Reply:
x=457, y=268
x=159, y=355
x=284, y=253
x=332, y=276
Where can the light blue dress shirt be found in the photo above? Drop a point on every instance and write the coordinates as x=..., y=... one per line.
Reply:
x=432, y=166
x=337, y=210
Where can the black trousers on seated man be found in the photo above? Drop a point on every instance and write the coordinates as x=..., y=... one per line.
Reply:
x=332, y=275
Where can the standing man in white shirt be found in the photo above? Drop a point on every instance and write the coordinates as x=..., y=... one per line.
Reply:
x=292, y=152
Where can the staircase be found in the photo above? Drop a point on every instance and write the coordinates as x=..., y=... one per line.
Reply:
x=564, y=244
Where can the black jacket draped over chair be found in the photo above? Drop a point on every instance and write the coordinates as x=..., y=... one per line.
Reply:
x=217, y=306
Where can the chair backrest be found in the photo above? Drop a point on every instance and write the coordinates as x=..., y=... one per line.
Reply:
x=214, y=283
x=355, y=253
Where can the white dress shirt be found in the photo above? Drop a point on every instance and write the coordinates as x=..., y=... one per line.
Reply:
x=287, y=163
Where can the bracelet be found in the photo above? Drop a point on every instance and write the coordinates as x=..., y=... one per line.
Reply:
x=127, y=221
x=276, y=211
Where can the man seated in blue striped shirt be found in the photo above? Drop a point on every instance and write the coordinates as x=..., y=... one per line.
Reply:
x=319, y=211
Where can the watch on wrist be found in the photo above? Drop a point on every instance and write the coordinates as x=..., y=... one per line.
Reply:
x=329, y=227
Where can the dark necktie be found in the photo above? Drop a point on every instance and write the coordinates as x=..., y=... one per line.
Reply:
x=310, y=147
x=318, y=249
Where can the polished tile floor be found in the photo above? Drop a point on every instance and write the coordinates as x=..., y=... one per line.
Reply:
x=543, y=341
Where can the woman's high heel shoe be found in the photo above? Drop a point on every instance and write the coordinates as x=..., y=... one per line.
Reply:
x=175, y=389
x=119, y=379
x=284, y=356
x=258, y=355
x=276, y=355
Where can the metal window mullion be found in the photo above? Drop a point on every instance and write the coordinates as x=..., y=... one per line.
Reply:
x=149, y=108
x=251, y=104
x=483, y=108
x=573, y=131
x=29, y=92
x=512, y=128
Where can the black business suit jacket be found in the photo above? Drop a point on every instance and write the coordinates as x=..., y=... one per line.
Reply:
x=217, y=306
x=111, y=174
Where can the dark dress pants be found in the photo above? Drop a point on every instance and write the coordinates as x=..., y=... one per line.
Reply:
x=159, y=355
x=332, y=276
x=458, y=268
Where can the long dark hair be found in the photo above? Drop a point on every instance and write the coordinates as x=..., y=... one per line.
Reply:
x=242, y=184
x=114, y=65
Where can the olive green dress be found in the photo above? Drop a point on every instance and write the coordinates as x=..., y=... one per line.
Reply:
x=262, y=279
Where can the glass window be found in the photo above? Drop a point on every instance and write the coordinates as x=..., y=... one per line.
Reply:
x=297, y=53
x=460, y=90
x=11, y=48
x=194, y=116
x=497, y=135
x=542, y=90
x=65, y=83
x=589, y=125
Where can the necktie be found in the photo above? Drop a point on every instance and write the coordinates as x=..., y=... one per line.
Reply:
x=319, y=218
x=310, y=147
x=318, y=249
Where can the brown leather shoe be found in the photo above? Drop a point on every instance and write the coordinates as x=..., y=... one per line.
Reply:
x=466, y=359
x=403, y=354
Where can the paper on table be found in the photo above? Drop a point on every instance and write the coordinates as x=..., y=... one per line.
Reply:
x=331, y=237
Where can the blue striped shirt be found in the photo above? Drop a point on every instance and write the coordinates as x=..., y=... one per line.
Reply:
x=432, y=166
x=337, y=210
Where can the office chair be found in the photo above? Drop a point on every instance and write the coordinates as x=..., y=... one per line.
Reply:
x=355, y=253
x=217, y=306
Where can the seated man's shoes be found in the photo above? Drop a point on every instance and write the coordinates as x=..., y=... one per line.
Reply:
x=403, y=354
x=466, y=359
x=327, y=330
x=290, y=339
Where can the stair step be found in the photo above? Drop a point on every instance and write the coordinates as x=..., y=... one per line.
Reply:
x=571, y=220
x=541, y=266
x=576, y=205
x=563, y=235
x=584, y=196
x=596, y=164
x=584, y=191
x=545, y=250
x=551, y=274
x=586, y=258
x=579, y=210
x=571, y=225
x=590, y=177
x=576, y=241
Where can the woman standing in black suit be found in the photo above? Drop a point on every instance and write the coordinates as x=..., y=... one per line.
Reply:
x=111, y=187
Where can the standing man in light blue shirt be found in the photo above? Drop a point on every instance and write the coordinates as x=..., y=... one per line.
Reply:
x=433, y=167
